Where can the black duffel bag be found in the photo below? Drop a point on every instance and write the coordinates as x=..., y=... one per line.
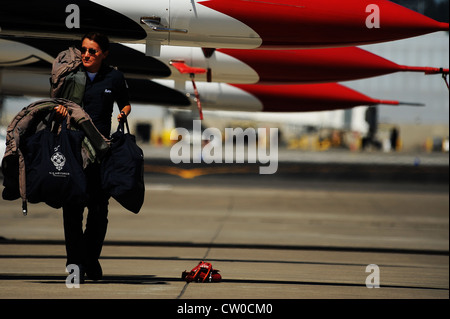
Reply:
x=53, y=165
x=122, y=170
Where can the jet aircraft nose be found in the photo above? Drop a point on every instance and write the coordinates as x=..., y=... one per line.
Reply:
x=309, y=97
x=324, y=23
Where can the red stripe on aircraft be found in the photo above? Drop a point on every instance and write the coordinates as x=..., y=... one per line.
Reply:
x=313, y=65
x=313, y=23
x=308, y=97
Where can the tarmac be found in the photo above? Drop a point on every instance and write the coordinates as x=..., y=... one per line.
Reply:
x=328, y=225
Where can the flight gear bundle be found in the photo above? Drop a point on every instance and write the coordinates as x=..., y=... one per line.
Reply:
x=68, y=80
x=28, y=122
x=203, y=272
x=53, y=165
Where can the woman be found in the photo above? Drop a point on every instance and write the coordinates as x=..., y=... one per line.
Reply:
x=104, y=86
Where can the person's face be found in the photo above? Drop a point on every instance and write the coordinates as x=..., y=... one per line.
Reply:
x=92, y=56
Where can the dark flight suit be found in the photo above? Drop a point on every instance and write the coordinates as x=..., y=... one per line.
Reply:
x=84, y=248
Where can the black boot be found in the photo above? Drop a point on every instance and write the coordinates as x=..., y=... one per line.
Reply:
x=94, y=270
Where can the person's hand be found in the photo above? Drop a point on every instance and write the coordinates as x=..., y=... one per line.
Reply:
x=122, y=116
x=124, y=113
x=60, y=112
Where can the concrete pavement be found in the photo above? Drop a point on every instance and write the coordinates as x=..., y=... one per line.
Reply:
x=291, y=242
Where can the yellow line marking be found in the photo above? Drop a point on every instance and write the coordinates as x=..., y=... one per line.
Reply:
x=195, y=172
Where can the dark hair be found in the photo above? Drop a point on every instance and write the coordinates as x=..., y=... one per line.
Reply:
x=101, y=39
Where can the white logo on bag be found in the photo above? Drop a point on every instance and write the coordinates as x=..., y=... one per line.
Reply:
x=58, y=159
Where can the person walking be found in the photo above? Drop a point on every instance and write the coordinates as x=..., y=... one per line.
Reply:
x=104, y=86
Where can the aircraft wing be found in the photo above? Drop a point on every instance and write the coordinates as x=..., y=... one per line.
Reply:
x=218, y=65
x=214, y=96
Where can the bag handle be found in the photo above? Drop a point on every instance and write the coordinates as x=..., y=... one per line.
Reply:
x=52, y=125
x=49, y=120
x=122, y=125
